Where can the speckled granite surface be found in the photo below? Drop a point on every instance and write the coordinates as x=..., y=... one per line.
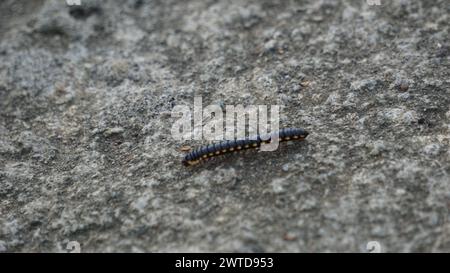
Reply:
x=86, y=153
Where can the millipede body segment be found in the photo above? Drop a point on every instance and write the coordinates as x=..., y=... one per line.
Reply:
x=230, y=146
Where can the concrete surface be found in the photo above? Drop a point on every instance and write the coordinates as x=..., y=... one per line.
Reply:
x=86, y=153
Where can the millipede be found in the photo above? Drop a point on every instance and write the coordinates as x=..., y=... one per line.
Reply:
x=230, y=146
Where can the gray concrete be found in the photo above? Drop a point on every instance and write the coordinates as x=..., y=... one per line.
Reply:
x=85, y=147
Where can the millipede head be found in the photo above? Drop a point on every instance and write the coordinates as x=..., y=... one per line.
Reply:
x=185, y=162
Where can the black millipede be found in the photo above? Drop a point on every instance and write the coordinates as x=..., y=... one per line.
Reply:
x=229, y=146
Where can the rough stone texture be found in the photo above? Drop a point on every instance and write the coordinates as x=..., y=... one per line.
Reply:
x=85, y=147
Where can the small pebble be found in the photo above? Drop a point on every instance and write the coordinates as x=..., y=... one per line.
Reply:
x=113, y=131
x=185, y=148
x=305, y=83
